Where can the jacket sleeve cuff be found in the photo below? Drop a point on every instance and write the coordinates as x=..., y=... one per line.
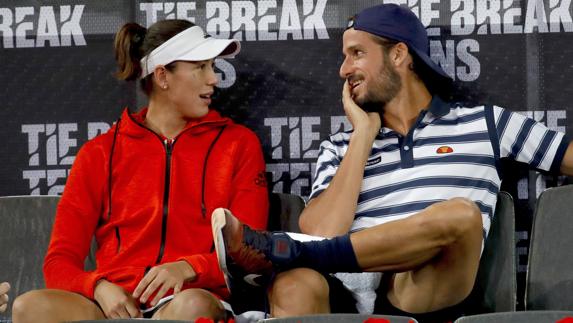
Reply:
x=206, y=269
x=558, y=159
x=86, y=283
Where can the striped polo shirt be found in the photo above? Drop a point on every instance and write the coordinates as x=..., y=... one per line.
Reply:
x=450, y=151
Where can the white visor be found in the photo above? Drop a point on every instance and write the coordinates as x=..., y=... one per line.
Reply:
x=192, y=44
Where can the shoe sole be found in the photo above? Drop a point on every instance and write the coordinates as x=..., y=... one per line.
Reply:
x=218, y=222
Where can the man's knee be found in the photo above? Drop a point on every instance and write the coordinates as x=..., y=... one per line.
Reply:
x=300, y=285
x=468, y=215
x=300, y=280
x=455, y=219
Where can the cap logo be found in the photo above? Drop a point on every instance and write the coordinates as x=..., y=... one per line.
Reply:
x=350, y=23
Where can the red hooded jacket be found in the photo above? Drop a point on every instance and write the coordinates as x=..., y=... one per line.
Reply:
x=162, y=195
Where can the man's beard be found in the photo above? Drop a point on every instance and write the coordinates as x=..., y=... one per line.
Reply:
x=384, y=88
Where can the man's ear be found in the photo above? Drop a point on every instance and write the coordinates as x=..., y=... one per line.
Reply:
x=399, y=54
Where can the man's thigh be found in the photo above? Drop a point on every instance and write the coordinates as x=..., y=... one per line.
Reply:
x=443, y=282
x=447, y=276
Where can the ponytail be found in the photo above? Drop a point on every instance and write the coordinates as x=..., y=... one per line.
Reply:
x=128, y=51
x=133, y=42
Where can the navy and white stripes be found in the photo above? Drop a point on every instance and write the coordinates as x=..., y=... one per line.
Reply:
x=449, y=152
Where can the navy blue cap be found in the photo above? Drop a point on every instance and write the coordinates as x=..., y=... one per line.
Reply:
x=400, y=24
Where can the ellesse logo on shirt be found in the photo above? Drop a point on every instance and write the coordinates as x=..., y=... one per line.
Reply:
x=444, y=150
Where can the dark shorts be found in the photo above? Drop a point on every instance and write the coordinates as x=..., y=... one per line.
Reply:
x=149, y=313
x=341, y=299
x=253, y=299
x=383, y=306
x=247, y=298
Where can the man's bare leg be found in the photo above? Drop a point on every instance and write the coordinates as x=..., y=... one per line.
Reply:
x=299, y=291
x=435, y=255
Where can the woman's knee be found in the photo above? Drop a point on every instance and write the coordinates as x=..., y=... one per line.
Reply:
x=30, y=306
x=193, y=303
x=52, y=305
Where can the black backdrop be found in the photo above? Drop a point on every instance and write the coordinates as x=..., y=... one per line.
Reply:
x=57, y=87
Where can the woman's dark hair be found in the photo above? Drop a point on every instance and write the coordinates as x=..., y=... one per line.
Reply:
x=133, y=42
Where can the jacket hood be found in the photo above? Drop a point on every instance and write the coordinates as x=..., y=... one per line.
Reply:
x=132, y=123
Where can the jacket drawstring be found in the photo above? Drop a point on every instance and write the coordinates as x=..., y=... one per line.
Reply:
x=109, y=178
x=203, y=208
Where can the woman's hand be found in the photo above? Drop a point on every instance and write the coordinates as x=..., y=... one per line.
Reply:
x=160, y=279
x=115, y=302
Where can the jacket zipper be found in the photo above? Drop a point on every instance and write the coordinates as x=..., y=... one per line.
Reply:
x=168, y=144
x=204, y=177
x=118, y=239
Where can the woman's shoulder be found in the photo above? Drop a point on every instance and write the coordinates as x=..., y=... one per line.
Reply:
x=241, y=132
x=99, y=144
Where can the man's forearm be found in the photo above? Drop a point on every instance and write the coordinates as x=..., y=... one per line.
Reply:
x=567, y=163
x=332, y=212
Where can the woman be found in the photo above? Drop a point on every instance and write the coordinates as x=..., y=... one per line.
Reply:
x=147, y=188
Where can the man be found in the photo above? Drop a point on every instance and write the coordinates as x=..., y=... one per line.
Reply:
x=410, y=192
x=4, y=288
